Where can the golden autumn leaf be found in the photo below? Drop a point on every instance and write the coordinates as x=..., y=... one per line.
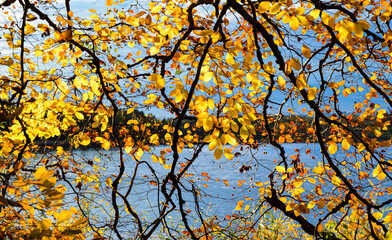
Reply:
x=330, y=205
x=158, y=80
x=64, y=36
x=244, y=132
x=218, y=153
x=321, y=204
x=295, y=63
x=318, y=190
x=301, y=82
x=306, y=51
x=258, y=184
x=42, y=173
x=294, y=23
x=345, y=144
x=239, y=206
x=230, y=59
x=312, y=94
x=320, y=227
x=275, y=8
x=263, y=6
x=45, y=224
x=280, y=169
x=156, y=9
x=332, y=148
x=388, y=236
x=381, y=113
x=228, y=155
x=79, y=115
x=154, y=158
x=148, y=19
x=281, y=82
x=234, y=126
x=109, y=3
x=63, y=216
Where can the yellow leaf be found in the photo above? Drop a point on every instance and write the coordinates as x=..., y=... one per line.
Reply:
x=263, y=7
x=214, y=144
x=234, y=126
x=65, y=36
x=357, y=29
x=321, y=204
x=360, y=147
x=218, y=153
x=42, y=174
x=247, y=207
x=364, y=24
x=275, y=8
x=45, y=224
x=208, y=124
x=48, y=184
x=230, y=59
x=154, y=50
x=281, y=82
x=345, y=144
x=244, y=132
x=86, y=23
x=160, y=83
x=312, y=94
x=156, y=9
x=109, y=3
x=85, y=140
x=148, y=19
x=315, y=13
x=301, y=81
x=258, y=184
x=295, y=64
x=388, y=236
x=208, y=76
x=377, y=215
x=378, y=173
x=294, y=23
x=311, y=180
x=311, y=204
x=106, y=145
x=240, y=204
x=318, y=191
x=320, y=227
x=318, y=170
x=333, y=85
x=381, y=113
x=306, y=51
x=330, y=205
x=63, y=216
x=215, y=37
x=332, y=148
x=325, y=18
x=231, y=139
x=154, y=158
x=290, y=207
x=206, y=32
x=158, y=79
x=280, y=169
x=79, y=116
x=228, y=155
x=336, y=181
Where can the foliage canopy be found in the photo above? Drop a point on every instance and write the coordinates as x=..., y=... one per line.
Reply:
x=236, y=75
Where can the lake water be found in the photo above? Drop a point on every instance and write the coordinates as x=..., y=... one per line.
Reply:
x=220, y=190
